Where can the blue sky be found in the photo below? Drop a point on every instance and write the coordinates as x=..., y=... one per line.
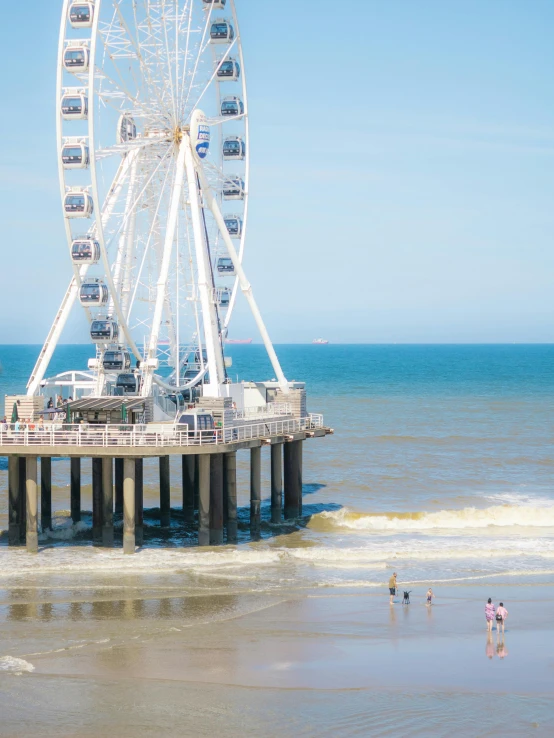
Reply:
x=402, y=181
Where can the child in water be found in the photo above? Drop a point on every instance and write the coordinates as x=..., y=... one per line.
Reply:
x=430, y=596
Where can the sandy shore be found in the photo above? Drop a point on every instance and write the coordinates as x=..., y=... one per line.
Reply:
x=142, y=661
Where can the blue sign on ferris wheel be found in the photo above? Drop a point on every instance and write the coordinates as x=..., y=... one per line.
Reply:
x=203, y=141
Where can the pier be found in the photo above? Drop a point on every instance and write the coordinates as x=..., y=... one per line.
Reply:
x=209, y=480
x=155, y=226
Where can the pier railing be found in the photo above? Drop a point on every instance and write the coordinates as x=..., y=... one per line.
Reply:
x=137, y=436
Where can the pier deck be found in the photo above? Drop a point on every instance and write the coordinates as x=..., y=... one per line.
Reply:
x=209, y=478
x=142, y=441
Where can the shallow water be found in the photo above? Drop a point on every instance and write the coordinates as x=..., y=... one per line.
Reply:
x=440, y=469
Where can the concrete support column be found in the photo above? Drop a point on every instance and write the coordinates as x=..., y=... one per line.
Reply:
x=276, y=482
x=32, y=504
x=129, y=474
x=216, y=499
x=22, y=461
x=196, y=484
x=46, y=493
x=119, y=486
x=139, y=502
x=293, y=479
x=165, y=493
x=97, y=501
x=255, y=491
x=300, y=472
x=230, y=492
x=75, y=491
x=14, y=504
x=107, y=502
x=204, y=499
x=189, y=481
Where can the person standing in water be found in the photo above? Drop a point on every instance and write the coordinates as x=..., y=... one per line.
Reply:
x=392, y=588
x=501, y=615
x=489, y=614
x=430, y=596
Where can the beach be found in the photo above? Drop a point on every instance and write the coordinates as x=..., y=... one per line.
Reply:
x=440, y=469
x=126, y=656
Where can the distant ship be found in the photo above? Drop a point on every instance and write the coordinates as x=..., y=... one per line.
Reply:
x=238, y=340
x=320, y=341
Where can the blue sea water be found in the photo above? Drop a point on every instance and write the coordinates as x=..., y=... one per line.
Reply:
x=441, y=462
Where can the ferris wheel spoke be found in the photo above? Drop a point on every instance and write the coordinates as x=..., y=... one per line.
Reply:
x=216, y=70
x=151, y=231
x=220, y=120
x=163, y=274
x=137, y=201
x=169, y=66
x=101, y=74
x=203, y=47
x=154, y=41
x=186, y=55
x=153, y=87
x=128, y=147
x=124, y=235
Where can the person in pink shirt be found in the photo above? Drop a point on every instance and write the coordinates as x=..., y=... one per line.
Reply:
x=501, y=615
x=489, y=614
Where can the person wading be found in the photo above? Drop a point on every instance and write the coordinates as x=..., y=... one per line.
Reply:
x=501, y=615
x=392, y=588
x=489, y=614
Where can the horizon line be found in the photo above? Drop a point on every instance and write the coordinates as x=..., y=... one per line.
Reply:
x=357, y=343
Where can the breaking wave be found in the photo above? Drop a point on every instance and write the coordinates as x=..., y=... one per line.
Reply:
x=14, y=665
x=467, y=518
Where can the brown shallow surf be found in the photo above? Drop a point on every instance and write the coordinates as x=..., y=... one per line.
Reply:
x=135, y=659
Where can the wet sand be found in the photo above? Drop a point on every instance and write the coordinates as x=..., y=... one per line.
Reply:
x=135, y=659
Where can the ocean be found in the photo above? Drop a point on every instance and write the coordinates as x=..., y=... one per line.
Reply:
x=440, y=465
x=440, y=469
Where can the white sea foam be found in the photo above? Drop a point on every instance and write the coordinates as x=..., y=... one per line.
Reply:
x=65, y=532
x=468, y=518
x=14, y=665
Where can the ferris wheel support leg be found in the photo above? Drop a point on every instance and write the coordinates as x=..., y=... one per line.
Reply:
x=53, y=336
x=214, y=349
x=164, y=270
x=245, y=285
x=124, y=258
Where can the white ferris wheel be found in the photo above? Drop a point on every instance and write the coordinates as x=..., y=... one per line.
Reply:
x=153, y=152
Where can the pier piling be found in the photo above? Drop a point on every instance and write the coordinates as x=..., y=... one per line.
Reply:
x=46, y=492
x=107, y=502
x=165, y=492
x=129, y=474
x=293, y=479
x=209, y=478
x=216, y=499
x=255, y=491
x=204, y=500
x=14, y=522
x=75, y=490
x=97, y=501
x=32, y=504
x=189, y=483
x=119, y=486
x=22, y=461
x=230, y=492
x=139, y=502
x=276, y=482
x=196, y=484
